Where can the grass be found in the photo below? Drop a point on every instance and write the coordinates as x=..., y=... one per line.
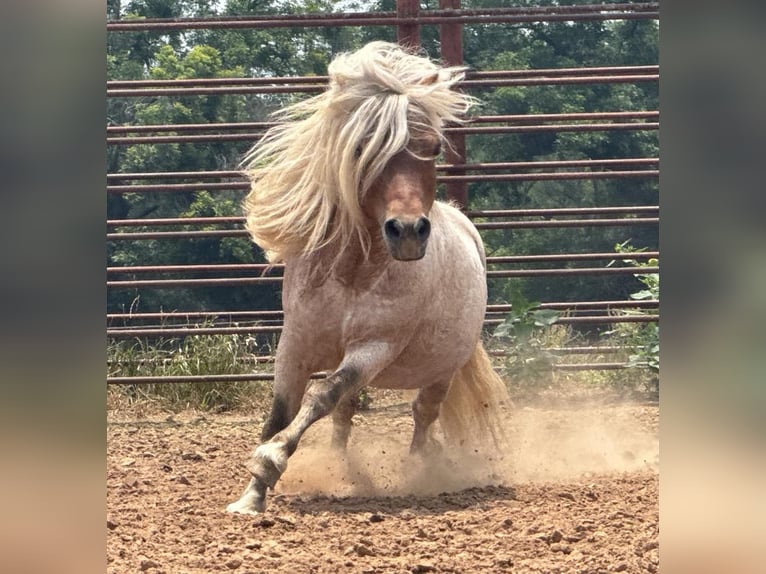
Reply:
x=529, y=365
x=528, y=368
x=192, y=355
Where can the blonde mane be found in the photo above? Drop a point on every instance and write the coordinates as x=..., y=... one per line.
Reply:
x=310, y=173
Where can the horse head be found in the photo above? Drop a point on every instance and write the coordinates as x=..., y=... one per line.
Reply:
x=355, y=165
x=400, y=199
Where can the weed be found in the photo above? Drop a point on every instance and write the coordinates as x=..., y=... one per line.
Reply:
x=188, y=356
x=525, y=335
x=643, y=339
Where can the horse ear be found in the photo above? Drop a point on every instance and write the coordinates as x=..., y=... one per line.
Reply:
x=428, y=80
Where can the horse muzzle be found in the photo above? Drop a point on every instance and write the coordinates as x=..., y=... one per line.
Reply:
x=407, y=240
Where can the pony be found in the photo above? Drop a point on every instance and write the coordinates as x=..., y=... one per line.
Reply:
x=383, y=285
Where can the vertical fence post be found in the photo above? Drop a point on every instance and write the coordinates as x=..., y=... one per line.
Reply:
x=408, y=34
x=451, y=37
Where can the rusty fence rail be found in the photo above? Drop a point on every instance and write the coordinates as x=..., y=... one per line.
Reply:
x=476, y=214
x=232, y=317
x=316, y=84
x=415, y=17
x=454, y=174
x=269, y=359
x=269, y=376
x=490, y=166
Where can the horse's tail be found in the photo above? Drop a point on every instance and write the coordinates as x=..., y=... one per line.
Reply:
x=471, y=411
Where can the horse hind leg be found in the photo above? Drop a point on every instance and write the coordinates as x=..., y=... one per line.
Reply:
x=341, y=420
x=425, y=410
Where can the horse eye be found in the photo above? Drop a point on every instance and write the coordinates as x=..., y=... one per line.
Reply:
x=437, y=149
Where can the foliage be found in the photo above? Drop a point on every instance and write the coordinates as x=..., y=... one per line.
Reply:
x=306, y=51
x=188, y=54
x=192, y=355
x=169, y=55
x=522, y=334
x=562, y=45
x=642, y=338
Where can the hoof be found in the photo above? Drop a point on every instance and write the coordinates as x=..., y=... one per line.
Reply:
x=252, y=501
x=268, y=463
x=432, y=448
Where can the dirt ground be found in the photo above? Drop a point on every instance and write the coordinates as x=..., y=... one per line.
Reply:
x=576, y=490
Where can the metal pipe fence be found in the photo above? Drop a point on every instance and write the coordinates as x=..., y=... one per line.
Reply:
x=257, y=317
x=316, y=84
x=468, y=130
x=454, y=175
x=624, y=11
x=590, y=72
x=489, y=166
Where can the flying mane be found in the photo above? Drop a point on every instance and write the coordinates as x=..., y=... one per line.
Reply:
x=310, y=173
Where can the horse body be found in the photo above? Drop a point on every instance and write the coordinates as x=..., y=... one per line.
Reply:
x=429, y=312
x=383, y=286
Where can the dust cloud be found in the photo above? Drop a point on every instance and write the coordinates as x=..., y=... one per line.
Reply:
x=543, y=445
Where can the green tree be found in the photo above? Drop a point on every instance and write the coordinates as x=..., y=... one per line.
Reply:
x=307, y=51
x=563, y=45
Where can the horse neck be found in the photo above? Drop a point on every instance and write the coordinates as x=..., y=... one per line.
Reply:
x=350, y=263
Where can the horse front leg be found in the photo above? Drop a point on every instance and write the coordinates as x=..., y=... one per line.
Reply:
x=269, y=461
x=290, y=380
x=291, y=374
x=285, y=404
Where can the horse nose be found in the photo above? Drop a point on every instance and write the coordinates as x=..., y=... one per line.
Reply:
x=422, y=228
x=396, y=230
x=407, y=239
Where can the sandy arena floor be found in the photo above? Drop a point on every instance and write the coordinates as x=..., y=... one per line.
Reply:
x=576, y=491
